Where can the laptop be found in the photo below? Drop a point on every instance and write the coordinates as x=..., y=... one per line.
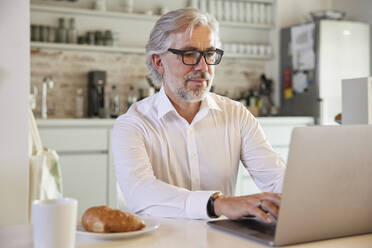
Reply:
x=327, y=190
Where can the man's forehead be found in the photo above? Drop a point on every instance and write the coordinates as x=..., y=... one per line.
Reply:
x=202, y=36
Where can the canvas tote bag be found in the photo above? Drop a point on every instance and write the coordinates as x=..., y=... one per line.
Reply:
x=45, y=171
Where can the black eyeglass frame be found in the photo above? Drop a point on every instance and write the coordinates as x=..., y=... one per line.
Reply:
x=201, y=53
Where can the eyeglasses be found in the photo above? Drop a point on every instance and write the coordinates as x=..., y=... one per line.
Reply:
x=192, y=57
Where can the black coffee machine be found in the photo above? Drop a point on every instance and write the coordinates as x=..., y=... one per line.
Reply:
x=96, y=94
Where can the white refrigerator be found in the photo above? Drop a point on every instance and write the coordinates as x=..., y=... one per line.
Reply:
x=315, y=57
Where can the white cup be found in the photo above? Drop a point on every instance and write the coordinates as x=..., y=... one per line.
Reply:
x=254, y=49
x=227, y=10
x=234, y=47
x=219, y=10
x=248, y=12
x=248, y=48
x=241, y=8
x=261, y=49
x=234, y=11
x=54, y=223
x=262, y=15
x=241, y=48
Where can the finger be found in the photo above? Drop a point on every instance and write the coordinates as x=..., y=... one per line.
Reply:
x=260, y=214
x=272, y=197
x=270, y=207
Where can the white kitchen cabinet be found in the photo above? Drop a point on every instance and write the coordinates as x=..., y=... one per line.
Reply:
x=85, y=178
x=278, y=132
x=83, y=148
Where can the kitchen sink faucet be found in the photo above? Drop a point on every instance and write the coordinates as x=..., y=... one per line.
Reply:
x=47, y=83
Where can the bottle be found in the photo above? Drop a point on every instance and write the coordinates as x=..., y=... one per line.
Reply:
x=71, y=32
x=62, y=31
x=132, y=96
x=252, y=99
x=79, y=103
x=108, y=39
x=114, y=103
x=141, y=93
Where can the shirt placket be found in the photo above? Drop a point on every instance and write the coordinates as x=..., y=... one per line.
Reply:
x=193, y=158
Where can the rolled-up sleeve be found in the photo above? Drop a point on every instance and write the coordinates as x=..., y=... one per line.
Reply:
x=143, y=192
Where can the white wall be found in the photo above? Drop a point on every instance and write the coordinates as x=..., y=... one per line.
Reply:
x=14, y=88
x=292, y=12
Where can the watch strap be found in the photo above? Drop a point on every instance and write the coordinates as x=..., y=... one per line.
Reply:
x=210, y=205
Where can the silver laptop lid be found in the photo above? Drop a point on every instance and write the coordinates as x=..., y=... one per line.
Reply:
x=327, y=190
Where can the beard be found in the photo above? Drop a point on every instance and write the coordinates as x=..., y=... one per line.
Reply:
x=193, y=93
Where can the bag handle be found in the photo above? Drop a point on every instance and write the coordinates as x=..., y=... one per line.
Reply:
x=34, y=132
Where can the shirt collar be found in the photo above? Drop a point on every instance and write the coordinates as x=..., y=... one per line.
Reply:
x=164, y=105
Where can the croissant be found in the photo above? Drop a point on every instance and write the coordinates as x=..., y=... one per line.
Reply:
x=103, y=219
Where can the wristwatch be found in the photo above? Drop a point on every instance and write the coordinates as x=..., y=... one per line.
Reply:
x=210, y=205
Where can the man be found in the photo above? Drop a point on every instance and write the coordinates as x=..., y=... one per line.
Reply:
x=177, y=151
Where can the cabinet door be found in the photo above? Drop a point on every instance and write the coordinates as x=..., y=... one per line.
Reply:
x=85, y=178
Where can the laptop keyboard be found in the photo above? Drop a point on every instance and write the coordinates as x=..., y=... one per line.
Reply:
x=256, y=225
x=248, y=227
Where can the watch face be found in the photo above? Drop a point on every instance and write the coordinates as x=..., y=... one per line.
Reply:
x=216, y=195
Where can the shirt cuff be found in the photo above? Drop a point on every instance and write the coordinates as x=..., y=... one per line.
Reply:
x=196, y=204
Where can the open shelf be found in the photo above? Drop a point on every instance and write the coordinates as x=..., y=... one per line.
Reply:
x=138, y=50
x=76, y=47
x=120, y=15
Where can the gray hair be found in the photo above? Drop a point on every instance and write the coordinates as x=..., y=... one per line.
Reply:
x=173, y=21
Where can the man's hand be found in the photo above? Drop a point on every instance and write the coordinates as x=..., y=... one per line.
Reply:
x=259, y=205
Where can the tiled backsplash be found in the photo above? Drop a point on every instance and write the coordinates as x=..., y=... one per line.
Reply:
x=69, y=70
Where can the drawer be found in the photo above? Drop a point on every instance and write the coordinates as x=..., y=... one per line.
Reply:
x=75, y=139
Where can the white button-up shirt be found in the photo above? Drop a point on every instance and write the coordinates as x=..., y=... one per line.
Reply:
x=168, y=167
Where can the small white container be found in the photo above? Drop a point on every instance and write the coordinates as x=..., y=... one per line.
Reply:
x=269, y=13
x=128, y=6
x=261, y=49
x=100, y=5
x=269, y=50
x=254, y=49
x=194, y=4
x=234, y=47
x=203, y=5
x=241, y=48
x=248, y=48
x=219, y=10
x=248, y=12
x=227, y=10
x=212, y=7
x=255, y=13
x=234, y=11
x=262, y=15
x=241, y=9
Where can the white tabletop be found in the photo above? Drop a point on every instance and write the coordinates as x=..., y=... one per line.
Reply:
x=173, y=233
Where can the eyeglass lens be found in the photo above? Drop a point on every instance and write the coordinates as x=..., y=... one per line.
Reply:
x=193, y=57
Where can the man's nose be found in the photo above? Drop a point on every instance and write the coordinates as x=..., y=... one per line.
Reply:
x=202, y=66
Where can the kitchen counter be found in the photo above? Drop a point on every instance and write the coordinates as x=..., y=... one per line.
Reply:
x=93, y=122
x=172, y=233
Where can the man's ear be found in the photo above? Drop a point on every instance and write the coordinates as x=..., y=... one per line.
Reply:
x=158, y=63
